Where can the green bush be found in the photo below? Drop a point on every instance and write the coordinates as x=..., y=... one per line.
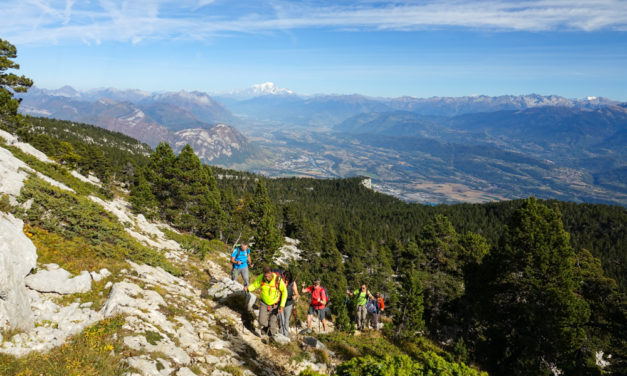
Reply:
x=402, y=365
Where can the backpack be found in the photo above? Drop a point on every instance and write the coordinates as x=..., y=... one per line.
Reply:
x=326, y=296
x=371, y=306
x=239, y=250
x=278, y=273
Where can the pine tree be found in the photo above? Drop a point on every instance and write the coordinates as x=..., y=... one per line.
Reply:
x=267, y=237
x=440, y=268
x=142, y=200
x=534, y=318
x=408, y=320
x=10, y=83
x=161, y=175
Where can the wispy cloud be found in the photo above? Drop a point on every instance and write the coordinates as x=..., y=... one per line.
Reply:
x=55, y=21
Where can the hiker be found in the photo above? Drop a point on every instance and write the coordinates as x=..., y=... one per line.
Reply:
x=362, y=296
x=380, y=307
x=292, y=297
x=240, y=258
x=371, y=315
x=273, y=298
x=318, y=303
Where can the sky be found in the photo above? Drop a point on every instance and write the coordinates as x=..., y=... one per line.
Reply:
x=383, y=48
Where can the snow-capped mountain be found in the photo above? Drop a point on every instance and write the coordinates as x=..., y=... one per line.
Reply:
x=258, y=90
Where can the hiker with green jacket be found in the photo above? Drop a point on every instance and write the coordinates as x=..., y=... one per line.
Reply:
x=273, y=298
x=361, y=296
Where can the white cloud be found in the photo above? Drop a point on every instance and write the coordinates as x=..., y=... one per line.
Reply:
x=40, y=21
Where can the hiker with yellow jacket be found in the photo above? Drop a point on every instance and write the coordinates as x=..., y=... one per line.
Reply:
x=273, y=298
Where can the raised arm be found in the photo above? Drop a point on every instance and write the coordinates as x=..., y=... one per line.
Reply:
x=295, y=291
x=305, y=289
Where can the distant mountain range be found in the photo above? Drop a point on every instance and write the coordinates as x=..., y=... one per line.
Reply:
x=151, y=118
x=474, y=148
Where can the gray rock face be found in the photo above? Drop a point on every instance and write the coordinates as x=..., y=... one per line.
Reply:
x=57, y=280
x=18, y=257
x=313, y=342
x=225, y=288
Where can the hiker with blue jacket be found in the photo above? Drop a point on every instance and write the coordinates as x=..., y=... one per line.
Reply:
x=240, y=258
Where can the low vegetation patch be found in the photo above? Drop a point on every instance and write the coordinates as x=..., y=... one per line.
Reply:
x=197, y=246
x=5, y=204
x=368, y=343
x=431, y=364
x=59, y=173
x=95, y=351
x=78, y=219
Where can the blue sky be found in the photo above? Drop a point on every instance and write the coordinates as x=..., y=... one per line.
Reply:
x=378, y=48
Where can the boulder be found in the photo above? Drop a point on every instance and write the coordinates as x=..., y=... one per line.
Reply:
x=99, y=276
x=185, y=372
x=281, y=339
x=58, y=280
x=225, y=288
x=18, y=256
x=313, y=342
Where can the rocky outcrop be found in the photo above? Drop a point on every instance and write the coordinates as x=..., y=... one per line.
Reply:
x=54, y=324
x=58, y=280
x=18, y=257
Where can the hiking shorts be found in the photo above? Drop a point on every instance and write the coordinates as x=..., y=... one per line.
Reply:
x=243, y=271
x=317, y=312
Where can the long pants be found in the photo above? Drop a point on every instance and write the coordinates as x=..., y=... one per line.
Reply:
x=269, y=317
x=361, y=316
x=243, y=271
x=287, y=313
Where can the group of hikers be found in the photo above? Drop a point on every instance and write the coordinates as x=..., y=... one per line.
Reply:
x=279, y=293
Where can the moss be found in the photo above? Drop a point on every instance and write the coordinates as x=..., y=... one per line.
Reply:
x=152, y=337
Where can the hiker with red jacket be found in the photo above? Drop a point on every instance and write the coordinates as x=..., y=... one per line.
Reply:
x=319, y=301
x=380, y=308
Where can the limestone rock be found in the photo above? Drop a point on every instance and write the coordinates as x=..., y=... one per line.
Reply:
x=281, y=339
x=58, y=280
x=313, y=342
x=99, y=276
x=225, y=288
x=18, y=257
x=185, y=372
x=148, y=367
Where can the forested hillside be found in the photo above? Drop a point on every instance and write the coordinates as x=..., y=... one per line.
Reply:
x=426, y=260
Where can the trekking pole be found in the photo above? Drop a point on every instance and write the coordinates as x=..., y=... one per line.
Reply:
x=281, y=322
